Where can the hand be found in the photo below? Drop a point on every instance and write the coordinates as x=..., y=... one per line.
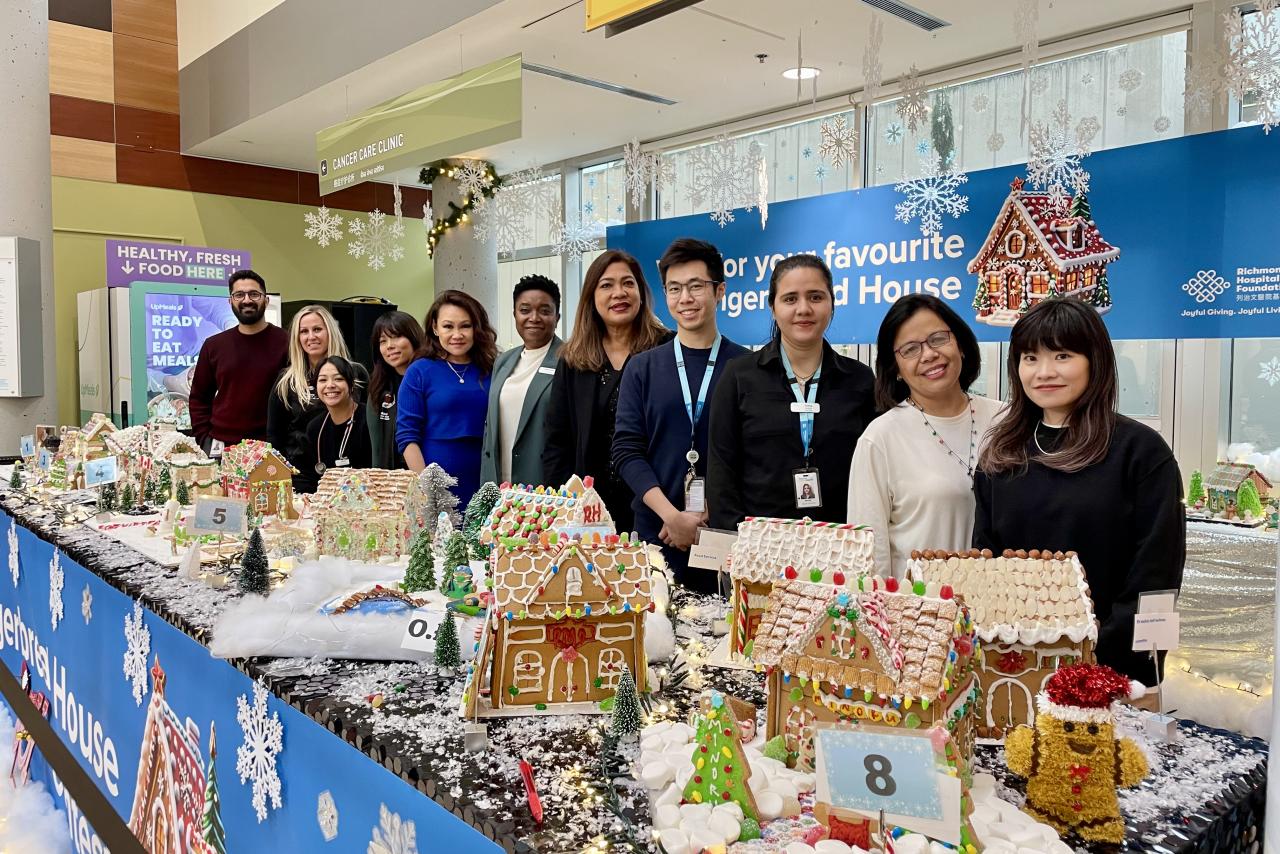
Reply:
x=681, y=529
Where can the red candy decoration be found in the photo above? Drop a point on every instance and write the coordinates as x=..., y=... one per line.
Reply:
x=837, y=578
x=697, y=778
x=725, y=795
x=703, y=748
x=728, y=769
x=789, y=573
x=946, y=592
x=891, y=584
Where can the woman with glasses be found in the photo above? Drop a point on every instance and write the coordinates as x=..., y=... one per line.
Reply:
x=785, y=420
x=614, y=322
x=397, y=337
x=912, y=474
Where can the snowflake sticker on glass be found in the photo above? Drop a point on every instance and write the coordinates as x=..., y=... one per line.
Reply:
x=930, y=196
x=1270, y=371
x=839, y=142
x=263, y=743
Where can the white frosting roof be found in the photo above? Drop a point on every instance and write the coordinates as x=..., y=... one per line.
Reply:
x=765, y=547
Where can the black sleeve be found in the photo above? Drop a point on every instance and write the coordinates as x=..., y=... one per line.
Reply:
x=306, y=461
x=984, y=535
x=360, y=448
x=726, y=505
x=558, y=455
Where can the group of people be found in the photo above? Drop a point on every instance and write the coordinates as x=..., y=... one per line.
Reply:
x=687, y=429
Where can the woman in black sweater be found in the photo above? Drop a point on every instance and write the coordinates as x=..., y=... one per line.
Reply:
x=1063, y=471
x=397, y=337
x=339, y=437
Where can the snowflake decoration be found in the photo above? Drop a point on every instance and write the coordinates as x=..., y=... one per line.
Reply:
x=472, y=179
x=720, y=180
x=664, y=172
x=1131, y=80
x=806, y=152
x=912, y=109
x=506, y=214
x=591, y=181
x=667, y=206
x=574, y=238
x=327, y=816
x=263, y=742
x=839, y=142
x=872, y=70
x=820, y=173
x=393, y=835
x=13, y=550
x=376, y=239
x=1039, y=84
x=1026, y=24
x=1253, y=58
x=589, y=208
x=756, y=156
x=1161, y=124
x=930, y=196
x=1270, y=371
x=995, y=142
x=1206, y=286
x=56, y=578
x=1054, y=162
x=893, y=132
x=638, y=172
x=1204, y=80
x=323, y=226
x=922, y=148
x=86, y=605
x=397, y=204
x=1086, y=79
x=1086, y=131
x=1122, y=111
x=137, y=647
x=980, y=103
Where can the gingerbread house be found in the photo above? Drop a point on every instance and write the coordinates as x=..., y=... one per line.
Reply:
x=365, y=514
x=155, y=446
x=1033, y=614
x=77, y=446
x=522, y=511
x=870, y=653
x=766, y=547
x=256, y=472
x=1222, y=485
x=1040, y=247
x=565, y=619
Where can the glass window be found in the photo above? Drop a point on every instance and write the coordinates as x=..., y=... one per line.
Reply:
x=1139, y=367
x=1255, y=393
x=603, y=194
x=1248, y=108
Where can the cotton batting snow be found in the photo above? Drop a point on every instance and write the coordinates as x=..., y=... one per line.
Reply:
x=31, y=822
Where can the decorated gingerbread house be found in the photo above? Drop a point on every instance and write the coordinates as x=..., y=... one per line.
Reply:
x=365, y=514
x=567, y=616
x=1033, y=615
x=873, y=653
x=256, y=472
x=79, y=445
x=1039, y=248
x=153, y=446
x=1222, y=485
x=527, y=511
x=766, y=547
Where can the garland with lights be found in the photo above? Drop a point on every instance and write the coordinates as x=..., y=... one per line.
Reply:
x=458, y=214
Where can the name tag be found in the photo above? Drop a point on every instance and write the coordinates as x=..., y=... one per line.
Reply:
x=813, y=408
x=548, y=371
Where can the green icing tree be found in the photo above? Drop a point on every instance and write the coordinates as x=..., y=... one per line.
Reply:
x=253, y=566
x=448, y=654
x=1248, y=502
x=1080, y=207
x=1195, y=490
x=776, y=748
x=421, y=574
x=58, y=474
x=184, y=493
x=720, y=771
x=148, y=490
x=15, y=479
x=214, y=834
x=626, y=706
x=479, y=507
x=370, y=545
x=164, y=487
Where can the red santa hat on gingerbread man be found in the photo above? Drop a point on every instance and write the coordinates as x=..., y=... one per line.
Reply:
x=1086, y=693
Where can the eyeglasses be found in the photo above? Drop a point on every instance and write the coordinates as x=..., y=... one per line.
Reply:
x=248, y=296
x=913, y=349
x=695, y=287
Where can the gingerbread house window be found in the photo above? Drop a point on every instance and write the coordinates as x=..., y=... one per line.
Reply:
x=260, y=502
x=1088, y=277
x=573, y=582
x=529, y=671
x=1015, y=244
x=1039, y=283
x=611, y=663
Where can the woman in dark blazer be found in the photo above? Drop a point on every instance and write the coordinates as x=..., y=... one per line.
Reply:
x=615, y=320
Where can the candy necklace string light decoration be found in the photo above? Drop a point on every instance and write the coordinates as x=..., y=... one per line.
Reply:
x=458, y=214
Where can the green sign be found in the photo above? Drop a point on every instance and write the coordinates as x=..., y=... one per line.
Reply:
x=443, y=119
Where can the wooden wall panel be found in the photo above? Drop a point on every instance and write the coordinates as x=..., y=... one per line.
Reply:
x=147, y=129
x=82, y=158
x=147, y=19
x=80, y=63
x=81, y=118
x=146, y=74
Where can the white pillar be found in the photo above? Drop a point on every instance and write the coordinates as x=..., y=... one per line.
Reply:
x=461, y=261
x=26, y=205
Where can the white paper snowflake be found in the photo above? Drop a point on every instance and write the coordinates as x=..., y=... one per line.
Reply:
x=637, y=172
x=1206, y=286
x=1087, y=131
x=664, y=172
x=872, y=68
x=472, y=179
x=137, y=648
x=86, y=605
x=980, y=103
x=574, y=238
x=393, y=835
x=1253, y=58
x=1204, y=80
x=327, y=816
x=13, y=550
x=1270, y=371
x=756, y=155
x=376, y=238
x=839, y=142
x=1054, y=162
x=1131, y=80
x=1161, y=124
x=1086, y=79
x=505, y=216
x=263, y=742
x=720, y=180
x=995, y=142
x=56, y=579
x=930, y=196
x=913, y=108
x=323, y=226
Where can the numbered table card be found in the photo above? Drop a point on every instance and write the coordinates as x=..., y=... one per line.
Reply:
x=98, y=472
x=45, y=460
x=420, y=633
x=27, y=446
x=219, y=516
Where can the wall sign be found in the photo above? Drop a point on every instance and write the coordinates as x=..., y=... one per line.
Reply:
x=130, y=261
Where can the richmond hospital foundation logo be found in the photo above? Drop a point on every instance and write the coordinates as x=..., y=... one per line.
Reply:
x=1206, y=286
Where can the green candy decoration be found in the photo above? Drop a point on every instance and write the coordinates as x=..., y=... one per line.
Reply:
x=911, y=721
x=918, y=587
x=749, y=830
x=815, y=575
x=797, y=694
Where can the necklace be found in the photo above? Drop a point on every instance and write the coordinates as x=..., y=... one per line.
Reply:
x=973, y=434
x=1036, y=437
x=461, y=375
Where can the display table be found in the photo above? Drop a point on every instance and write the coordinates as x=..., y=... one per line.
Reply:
x=368, y=747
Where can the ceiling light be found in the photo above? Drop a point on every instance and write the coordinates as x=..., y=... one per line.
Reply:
x=804, y=72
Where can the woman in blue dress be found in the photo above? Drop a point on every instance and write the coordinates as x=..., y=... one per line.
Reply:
x=444, y=394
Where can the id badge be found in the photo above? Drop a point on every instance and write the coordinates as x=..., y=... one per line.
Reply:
x=341, y=462
x=695, y=494
x=216, y=447
x=808, y=489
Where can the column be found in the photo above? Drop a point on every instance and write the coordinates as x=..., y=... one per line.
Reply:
x=26, y=193
x=463, y=262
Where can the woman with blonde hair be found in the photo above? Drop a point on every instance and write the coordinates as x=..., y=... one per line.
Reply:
x=313, y=337
x=615, y=321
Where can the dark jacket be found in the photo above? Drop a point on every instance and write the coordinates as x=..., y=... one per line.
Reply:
x=287, y=425
x=755, y=437
x=381, y=416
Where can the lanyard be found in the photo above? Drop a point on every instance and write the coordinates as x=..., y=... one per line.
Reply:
x=806, y=418
x=695, y=412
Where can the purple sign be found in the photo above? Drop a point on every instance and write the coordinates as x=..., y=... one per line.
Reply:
x=130, y=261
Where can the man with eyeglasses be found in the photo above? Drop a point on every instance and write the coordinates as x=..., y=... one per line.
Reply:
x=660, y=438
x=236, y=369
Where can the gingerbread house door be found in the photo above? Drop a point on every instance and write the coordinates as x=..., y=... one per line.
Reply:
x=570, y=678
x=1014, y=284
x=1009, y=703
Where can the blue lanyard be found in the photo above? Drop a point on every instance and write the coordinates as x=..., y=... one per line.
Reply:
x=695, y=412
x=806, y=418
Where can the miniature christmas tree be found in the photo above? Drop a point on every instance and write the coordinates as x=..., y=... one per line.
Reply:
x=164, y=486
x=107, y=497
x=455, y=552
x=1195, y=490
x=1053, y=292
x=981, y=298
x=148, y=494
x=1102, y=293
x=212, y=831
x=127, y=499
x=15, y=479
x=776, y=748
x=436, y=483
x=443, y=531
x=720, y=770
x=253, y=565
x=1248, y=502
x=479, y=508
x=1080, y=208
x=626, y=706
x=184, y=493
x=421, y=574
x=448, y=655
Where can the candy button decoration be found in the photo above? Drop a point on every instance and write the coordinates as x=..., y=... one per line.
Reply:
x=789, y=573
x=918, y=588
x=815, y=575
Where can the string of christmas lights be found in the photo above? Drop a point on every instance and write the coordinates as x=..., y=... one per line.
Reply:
x=458, y=214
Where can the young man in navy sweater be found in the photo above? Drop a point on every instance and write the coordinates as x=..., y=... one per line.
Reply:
x=660, y=437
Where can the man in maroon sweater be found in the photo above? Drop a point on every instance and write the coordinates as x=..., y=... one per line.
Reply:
x=236, y=370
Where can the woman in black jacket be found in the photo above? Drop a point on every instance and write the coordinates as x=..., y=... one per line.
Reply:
x=397, y=337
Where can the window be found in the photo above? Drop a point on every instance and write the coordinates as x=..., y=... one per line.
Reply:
x=1246, y=112
x=1015, y=243
x=573, y=582
x=611, y=664
x=260, y=502
x=529, y=670
x=603, y=195
x=1255, y=388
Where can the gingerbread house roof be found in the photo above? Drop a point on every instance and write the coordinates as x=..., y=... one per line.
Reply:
x=170, y=446
x=241, y=459
x=1038, y=212
x=529, y=582
x=172, y=748
x=97, y=426
x=1229, y=476
x=364, y=490
x=1012, y=599
x=913, y=637
x=528, y=511
x=766, y=546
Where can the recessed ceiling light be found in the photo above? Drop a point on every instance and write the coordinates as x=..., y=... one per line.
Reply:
x=804, y=72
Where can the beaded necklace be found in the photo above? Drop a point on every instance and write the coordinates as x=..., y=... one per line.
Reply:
x=973, y=434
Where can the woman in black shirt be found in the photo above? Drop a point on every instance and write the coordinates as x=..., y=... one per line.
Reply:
x=1063, y=471
x=785, y=420
x=397, y=337
x=340, y=437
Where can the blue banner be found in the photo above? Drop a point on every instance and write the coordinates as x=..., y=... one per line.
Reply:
x=1193, y=220
x=147, y=739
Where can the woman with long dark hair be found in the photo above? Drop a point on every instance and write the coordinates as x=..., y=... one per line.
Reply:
x=912, y=476
x=444, y=394
x=339, y=437
x=1062, y=470
x=397, y=337
x=785, y=420
x=615, y=321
